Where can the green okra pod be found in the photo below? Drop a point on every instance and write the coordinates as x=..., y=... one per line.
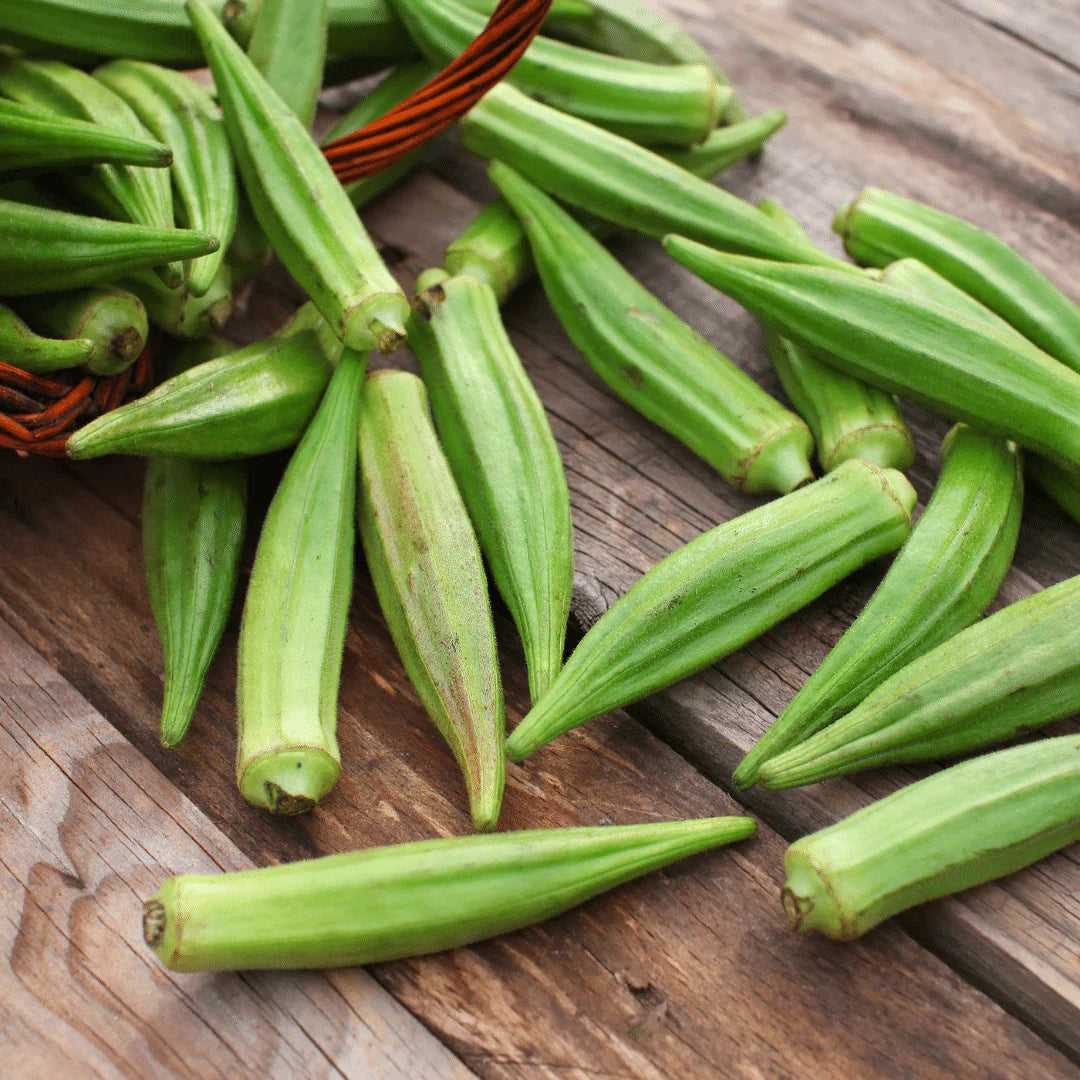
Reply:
x=425, y=563
x=725, y=146
x=848, y=418
x=897, y=341
x=621, y=182
x=298, y=201
x=185, y=116
x=944, y=578
x=879, y=227
x=45, y=250
x=408, y=899
x=647, y=102
x=653, y=360
x=1060, y=482
x=972, y=823
x=253, y=401
x=1017, y=670
x=179, y=311
x=720, y=591
x=292, y=636
x=22, y=348
x=33, y=139
x=289, y=47
x=504, y=458
x=193, y=518
x=114, y=319
x=125, y=192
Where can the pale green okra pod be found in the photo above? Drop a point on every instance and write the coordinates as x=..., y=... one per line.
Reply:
x=972, y=823
x=409, y=899
x=720, y=591
x=428, y=575
x=289, y=47
x=504, y=458
x=292, y=635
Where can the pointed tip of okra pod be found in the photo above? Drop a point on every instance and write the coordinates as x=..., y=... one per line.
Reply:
x=746, y=773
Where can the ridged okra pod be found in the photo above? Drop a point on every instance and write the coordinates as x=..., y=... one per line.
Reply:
x=33, y=139
x=944, y=578
x=385, y=903
x=504, y=458
x=394, y=89
x=193, y=519
x=252, y=401
x=1014, y=671
x=179, y=311
x=45, y=250
x=1060, y=482
x=646, y=102
x=619, y=181
x=972, y=823
x=185, y=116
x=125, y=192
x=879, y=227
x=298, y=201
x=292, y=635
x=653, y=360
x=425, y=564
x=725, y=146
x=114, y=319
x=22, y=348
x=720, y=591
x=848, y=418
x=901, y=343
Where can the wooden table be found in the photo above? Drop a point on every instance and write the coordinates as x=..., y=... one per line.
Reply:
x=973, y=105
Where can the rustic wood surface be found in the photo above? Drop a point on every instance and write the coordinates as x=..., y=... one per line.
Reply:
x=973, y=105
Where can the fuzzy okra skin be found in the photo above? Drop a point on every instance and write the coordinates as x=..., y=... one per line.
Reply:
x=298, y=201
x=1017, y=670
x=193, y=518
x=653, y=360
x=386, y=903
x=186, y=117
x=972, y=823
x=114, y=319
x=504, y=458
x=428, y=575
x=621, y=182
x=46, y=250
x=21, y=347
x=879, y=228
x=930, y=353
x=292, y=635
x=32, y=139
x=944, y=578
x=720, y=591
x=252, y=401
x=646, y=102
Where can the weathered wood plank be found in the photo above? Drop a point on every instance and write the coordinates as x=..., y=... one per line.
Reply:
x=89, y=829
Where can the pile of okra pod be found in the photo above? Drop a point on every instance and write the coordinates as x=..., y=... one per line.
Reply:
x=613, y=118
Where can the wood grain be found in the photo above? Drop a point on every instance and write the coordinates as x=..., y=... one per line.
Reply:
x=89, y=830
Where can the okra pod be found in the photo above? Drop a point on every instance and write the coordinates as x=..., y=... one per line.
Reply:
x=253, y=401
x=901, y=343
x=425, y=564
x=647, y=102
x=114, y=319
x=185, y=116
x=409, y=899
x=298, y=201
x=193, y=519
x=45, y=250
x=653, y=360
x=289, y=47
x=179, y=311
x=944, y=578
x=1060, y=482
x=726, y=145
x=879, y=227
x=292, y=635
x=502, y=453
x=32, y=139
x=22, y=348
x=125, y=192
x=619, y=181
x=972, y=823
x=720, y=591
